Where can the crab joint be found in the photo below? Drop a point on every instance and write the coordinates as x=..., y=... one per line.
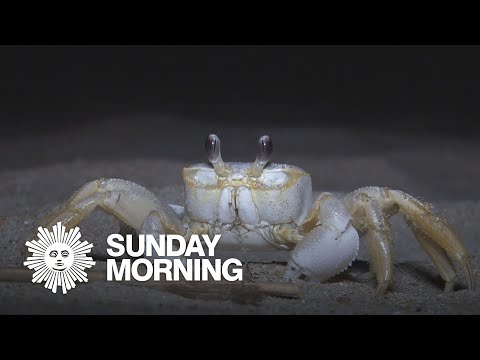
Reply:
x=264, y=152
x=212, y=146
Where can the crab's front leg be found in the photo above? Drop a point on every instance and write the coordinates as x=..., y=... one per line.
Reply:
x=330, y=242
x=127, y=201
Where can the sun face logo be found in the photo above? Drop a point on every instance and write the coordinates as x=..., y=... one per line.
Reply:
x=59, y=258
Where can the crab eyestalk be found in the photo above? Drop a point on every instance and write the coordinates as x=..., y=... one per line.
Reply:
x=264, y=152
x=212, y=146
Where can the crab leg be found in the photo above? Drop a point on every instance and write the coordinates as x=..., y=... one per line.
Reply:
x=126, y=200
x=435, y=233
x=438, y=256
x=370, y=220
x=435, y=236
x=153, y=225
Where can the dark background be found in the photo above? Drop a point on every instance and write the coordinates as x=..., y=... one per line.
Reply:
x=429, y=87
x=153, y=97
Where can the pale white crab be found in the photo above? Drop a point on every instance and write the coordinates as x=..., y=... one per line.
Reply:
x=266, y=206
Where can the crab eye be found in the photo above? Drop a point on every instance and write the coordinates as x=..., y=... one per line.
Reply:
x=53, y=253
x=264, y=152
x=212, y=146
x=265, y=149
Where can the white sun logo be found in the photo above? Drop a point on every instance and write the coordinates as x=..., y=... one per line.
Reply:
x=59, y=258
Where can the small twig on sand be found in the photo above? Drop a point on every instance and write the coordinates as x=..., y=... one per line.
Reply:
x=241, y=292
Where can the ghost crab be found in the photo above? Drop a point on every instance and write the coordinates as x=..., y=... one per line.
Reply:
x=267, y=206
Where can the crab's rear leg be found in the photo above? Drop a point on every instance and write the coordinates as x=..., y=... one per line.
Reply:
x=438, y=256
x=435, y=236
x=330, y=242
x=126, y=200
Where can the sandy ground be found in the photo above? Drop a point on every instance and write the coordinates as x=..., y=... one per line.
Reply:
x=27, y=194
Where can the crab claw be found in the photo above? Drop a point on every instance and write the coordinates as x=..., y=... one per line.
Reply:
x=330, y=244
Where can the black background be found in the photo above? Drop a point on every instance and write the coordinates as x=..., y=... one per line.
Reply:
x=429, y=88
x=59, y=103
